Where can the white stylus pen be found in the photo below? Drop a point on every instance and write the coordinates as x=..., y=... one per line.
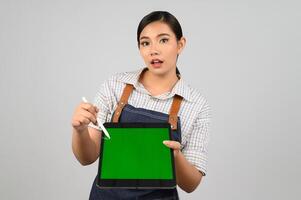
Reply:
x=99, y=124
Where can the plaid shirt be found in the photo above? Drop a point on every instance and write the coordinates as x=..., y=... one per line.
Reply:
x=194, y=112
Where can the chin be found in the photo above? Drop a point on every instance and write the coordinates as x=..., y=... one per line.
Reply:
x=158, y=71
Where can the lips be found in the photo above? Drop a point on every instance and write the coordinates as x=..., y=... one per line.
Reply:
x=156, y=61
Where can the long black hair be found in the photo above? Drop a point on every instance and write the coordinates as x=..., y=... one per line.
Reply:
x=162, y=16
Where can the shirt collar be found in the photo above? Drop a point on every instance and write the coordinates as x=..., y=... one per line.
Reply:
x=181, y=88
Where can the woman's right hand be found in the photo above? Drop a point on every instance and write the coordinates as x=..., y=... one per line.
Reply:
x=83, y=115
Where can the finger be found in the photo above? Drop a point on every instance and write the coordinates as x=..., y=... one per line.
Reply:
x=91, y=117
x=75, y=123
x=89, y=107
x=172, y=144
x=83, y=120
x=76, y=119
x=93, y=109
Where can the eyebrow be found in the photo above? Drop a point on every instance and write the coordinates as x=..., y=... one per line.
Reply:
x=161, y=34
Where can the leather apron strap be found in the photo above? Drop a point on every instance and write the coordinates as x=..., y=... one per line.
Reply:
x=173, y=112
x=123, y=101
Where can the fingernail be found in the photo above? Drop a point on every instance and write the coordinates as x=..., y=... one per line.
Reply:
x=165, y=142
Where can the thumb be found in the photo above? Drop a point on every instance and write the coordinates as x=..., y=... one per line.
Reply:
x=172, y=144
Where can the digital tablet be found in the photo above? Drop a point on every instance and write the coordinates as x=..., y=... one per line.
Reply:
x=135, y=157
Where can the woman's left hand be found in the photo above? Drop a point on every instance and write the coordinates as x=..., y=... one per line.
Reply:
x=176, y=146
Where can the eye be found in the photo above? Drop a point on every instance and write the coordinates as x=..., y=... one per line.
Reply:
x=164, y=40
x=144, y=43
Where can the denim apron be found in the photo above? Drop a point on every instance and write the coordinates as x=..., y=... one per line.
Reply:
x=128, y=113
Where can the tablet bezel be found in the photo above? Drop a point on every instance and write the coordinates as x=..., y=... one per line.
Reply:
x=136, y=183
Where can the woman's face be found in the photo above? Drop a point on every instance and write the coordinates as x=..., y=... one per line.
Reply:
x=159, y=48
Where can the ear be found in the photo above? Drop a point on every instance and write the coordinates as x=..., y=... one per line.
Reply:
x=181, y=44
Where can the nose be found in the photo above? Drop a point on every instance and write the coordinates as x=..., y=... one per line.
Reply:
x=154, y=50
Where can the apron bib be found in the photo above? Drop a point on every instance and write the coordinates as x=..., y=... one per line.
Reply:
x=128, y=113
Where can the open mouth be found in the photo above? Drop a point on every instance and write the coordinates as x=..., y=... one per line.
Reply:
x=156, y=62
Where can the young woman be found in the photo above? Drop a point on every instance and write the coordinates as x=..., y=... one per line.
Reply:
x=156, y=93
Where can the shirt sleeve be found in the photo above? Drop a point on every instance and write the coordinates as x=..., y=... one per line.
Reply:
x=103, y=102
x=196, y=148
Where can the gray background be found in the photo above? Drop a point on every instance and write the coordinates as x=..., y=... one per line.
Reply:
x=244, y=56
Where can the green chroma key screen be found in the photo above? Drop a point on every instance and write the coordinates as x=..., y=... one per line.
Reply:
x=136, y=153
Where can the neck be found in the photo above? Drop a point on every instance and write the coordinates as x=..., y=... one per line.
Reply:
x=158, y=84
